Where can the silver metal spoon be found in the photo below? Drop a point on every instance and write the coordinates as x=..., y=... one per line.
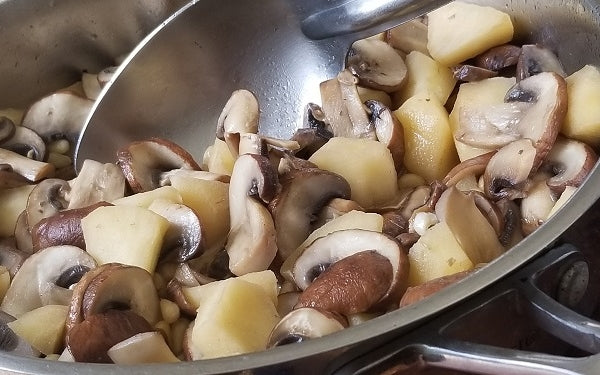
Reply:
x=177, y=80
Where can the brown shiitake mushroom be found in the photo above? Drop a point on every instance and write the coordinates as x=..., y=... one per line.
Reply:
x=351, y=285
x=143, y=161
x=54, y=270
x=251, y=242
x=304, y=192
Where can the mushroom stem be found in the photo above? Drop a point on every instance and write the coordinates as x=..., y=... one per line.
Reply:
x=32, y=170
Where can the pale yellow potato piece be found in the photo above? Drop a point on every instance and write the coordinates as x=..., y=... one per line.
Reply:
x=219, y=159
x=367, y=165
x=475, y=96
x=4, y=281
x=471, y=229
x=564, y=197
x=210, y=201
x=459, y=31
x=12, y=203
x=43, y=328
x=583, y=114
x=428, y=143
x=236, y=318
x=426, y=76
x=124, y=234
x=264, y=279
x=146, y=198
x=436, y=254
x=366, y=93
x=350, y=220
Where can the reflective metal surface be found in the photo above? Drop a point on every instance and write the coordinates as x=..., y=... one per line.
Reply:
x=175, y=84
x=46, y=44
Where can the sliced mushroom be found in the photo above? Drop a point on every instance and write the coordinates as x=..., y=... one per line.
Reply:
x=286, y=302
x=58, y=115
x=570, y=161
x=498, y=58
x=106, y=74
x=90, y=340
x=389, y=131
x=10, y=342
x=62, y=228
x=542, y=122
x=538, y=203
x=240, y=114
x=511, y=233
x=304, y=192
x=175, y=294
x=32, y=170
x=471, y=73
x=508, y=170
x=310, y=140
x=26, y=142
x=343, y=108
x=409, y=36
x=91, y=86
x=184, y=239
x=325, y=251
x=314, y=117
x=251, y=242
x=490, y=210
x=335, y=208
x=377, y=65
x=22, y=234
x=46, y=199
x=7, y=128
x=143, y=161
x=95, y=183
x=45, y=278
x=145, y=347
x=165, y=177
x=113, y=286
x=11, y=258
x=470, y=167
x=303, y=324
x=536, y=59
x=351, y=285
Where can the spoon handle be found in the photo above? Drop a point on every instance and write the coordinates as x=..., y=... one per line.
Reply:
x=366, y=16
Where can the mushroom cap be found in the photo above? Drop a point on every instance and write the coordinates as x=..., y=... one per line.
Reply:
x=301, y=324
x=304, y=192
x=184, y=239
x=143, y=161
x=377, y=65
x=90, y=340
x=114, y=285
x=46, y=199
x=542, y=122
x=240, y=114
x=535, y=59
x=500, y=57
x=388, y=130
x=26, y=142
x=251, y=242
x=471, y=73
x=7, y=128
x=36, y=282
x=61, y=114
x=327, y=250
x=508, y=170
x=570, y=161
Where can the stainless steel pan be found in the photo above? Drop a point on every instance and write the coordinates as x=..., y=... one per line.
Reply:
x=46, y=44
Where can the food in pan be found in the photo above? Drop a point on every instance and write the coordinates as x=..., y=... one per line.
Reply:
x=437, y=149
